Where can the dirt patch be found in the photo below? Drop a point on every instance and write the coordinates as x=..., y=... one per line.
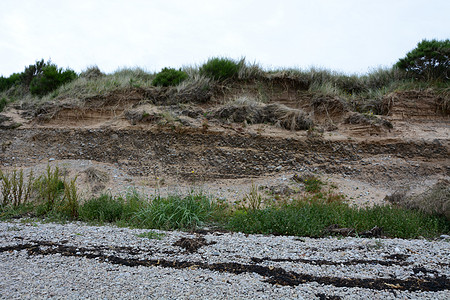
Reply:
x=416, y=105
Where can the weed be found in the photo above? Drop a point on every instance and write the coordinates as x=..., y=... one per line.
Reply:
x=50, y=186
x=71, y=199
x=151, y=235
x=254, y=198
x=313, y=184
x=14, y=189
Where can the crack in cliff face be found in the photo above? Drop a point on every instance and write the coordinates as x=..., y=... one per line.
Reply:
x=274, y=275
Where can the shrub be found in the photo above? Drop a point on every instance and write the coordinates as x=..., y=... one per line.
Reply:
x=50, y=79
x=169, y=77
x=7, y=83
x=429, y=60
x=32, y=71
x=220, y=68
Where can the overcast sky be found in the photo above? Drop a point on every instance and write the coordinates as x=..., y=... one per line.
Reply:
x=352, y=36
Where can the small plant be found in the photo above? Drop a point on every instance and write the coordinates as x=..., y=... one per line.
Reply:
x=151, y=235
x=313, y=184
x=254, y=198
x=169, y=77
x=71, y=199
x=220, y=68
x=50, y=186
x=14, y=188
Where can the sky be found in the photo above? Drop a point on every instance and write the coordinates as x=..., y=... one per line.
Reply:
x=349, y=36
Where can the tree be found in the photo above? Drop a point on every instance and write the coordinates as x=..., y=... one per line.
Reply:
x=430, y=60
x=49, y=79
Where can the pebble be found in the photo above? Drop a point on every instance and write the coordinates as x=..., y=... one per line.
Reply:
x=61, y=276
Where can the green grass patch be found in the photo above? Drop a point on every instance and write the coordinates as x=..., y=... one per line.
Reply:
x=176, y=212
x=313, y=216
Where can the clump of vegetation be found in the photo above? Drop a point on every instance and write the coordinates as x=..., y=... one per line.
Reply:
x=312, y=216
x=49, y=79
x=169, y=77
x=176, y=212
x=254, y=112
x=430, y=60
x=435, y=200
x=313, y=184
x=14, y=188
x=107, y=208
x=220, y=68
x=48, y=195
x=92, y=73
x=8, y=82
x=38, y=79
x=3, y=103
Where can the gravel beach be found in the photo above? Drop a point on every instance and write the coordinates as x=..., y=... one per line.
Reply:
x=76, y=261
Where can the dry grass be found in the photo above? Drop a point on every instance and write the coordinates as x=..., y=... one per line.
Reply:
x=247, y=109
x=435, y=200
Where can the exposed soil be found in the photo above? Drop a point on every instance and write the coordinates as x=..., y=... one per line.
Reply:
x=138, y=139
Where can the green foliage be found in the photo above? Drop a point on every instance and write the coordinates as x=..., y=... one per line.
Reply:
x=70, y=203
x=220, y=68
x=311, y=218
x=169, y=77
x=49, y=188
x=3, y=103
x=50, y=79
x=107, y=208
x=14, y=189
x=102, y=209
x=313, y=184
x=32, y=71
x=428, y=61
x=176, y=212
x=7, y=83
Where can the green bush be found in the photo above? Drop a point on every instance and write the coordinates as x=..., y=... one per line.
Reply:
x=32, y=71
x=50, y=79
x=7, y=83
x=169, y=77
x=220, y=68
x=428, y=61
